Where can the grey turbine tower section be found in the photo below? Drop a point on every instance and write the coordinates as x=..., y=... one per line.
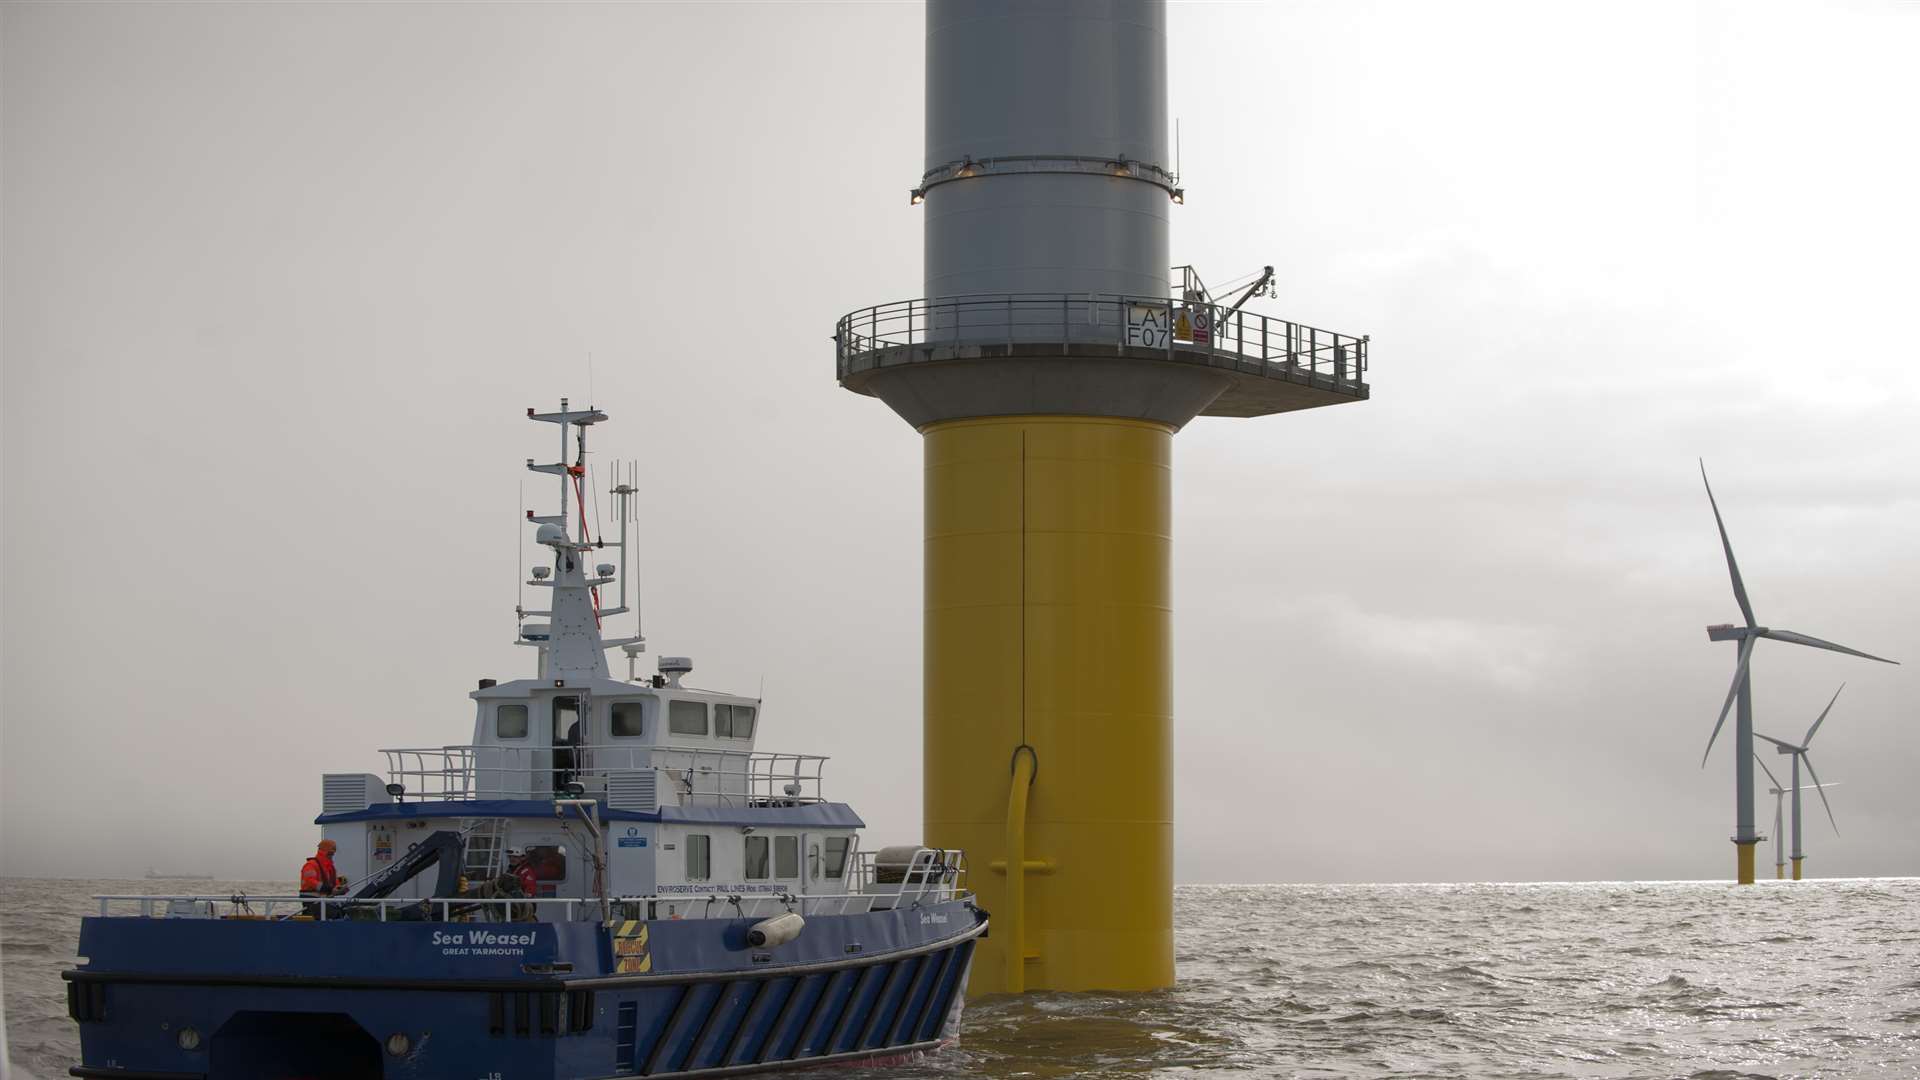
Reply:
x=1047, y=367
x=1047, y=97
x=1046, y=175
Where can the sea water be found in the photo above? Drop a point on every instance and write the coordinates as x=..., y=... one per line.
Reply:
x=1664, y=979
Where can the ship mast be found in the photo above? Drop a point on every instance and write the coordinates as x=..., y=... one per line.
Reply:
x=570, y=644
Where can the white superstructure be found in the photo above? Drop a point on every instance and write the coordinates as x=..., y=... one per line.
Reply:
x=642, y=790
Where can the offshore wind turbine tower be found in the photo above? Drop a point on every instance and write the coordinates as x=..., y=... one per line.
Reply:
x=1047, y=365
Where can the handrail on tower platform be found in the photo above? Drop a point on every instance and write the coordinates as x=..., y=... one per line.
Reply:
x=1068, y=324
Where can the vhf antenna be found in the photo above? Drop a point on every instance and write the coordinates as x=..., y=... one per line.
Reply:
x=520, y=557
x=625, y=487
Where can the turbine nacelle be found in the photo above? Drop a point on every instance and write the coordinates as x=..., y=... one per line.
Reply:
x=1781, y=746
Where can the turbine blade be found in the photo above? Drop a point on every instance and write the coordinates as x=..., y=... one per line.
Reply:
x=1808, y=741
x=1779, y=743
x=1822, y=789
x=1739, y=677
x=1733, y=568
x=1763, y=768
x=1802, y=639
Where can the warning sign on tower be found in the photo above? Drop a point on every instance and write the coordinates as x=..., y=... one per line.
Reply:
x=1193, y=323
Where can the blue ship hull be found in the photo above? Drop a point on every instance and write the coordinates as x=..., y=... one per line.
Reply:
x=279, y=1000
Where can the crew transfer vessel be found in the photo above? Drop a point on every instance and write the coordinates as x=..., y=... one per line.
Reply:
x=698, y=906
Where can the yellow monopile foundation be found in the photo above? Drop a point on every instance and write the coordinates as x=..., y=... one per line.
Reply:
x=1047, y=627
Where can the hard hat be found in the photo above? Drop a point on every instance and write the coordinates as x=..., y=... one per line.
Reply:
x=516, y=853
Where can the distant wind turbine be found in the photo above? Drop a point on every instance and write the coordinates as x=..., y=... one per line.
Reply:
x=1779, y=843
x=1800, y=756
x=1741, y=693
x=1779, y=834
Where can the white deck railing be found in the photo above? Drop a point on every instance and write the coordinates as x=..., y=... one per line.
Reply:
x=682, y=774
x=332, y=908
x=930, y=876
x=546, y=909
x=756, y=906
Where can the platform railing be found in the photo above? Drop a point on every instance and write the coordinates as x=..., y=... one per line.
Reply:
x=692, y=775
x=1058, y=322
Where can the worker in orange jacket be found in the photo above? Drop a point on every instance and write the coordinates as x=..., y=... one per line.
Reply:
x=318, y=877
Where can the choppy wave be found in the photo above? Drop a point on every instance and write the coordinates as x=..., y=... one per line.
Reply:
x=1680, y=979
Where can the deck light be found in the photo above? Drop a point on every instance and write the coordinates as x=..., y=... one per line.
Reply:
x=398, y=1044
x=396, y=790
x=189, y=1039
x=576, y=789
x=540, y=572
x=1180, y=196
x=916, y=196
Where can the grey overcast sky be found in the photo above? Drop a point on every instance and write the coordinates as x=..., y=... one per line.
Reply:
x=280, y=279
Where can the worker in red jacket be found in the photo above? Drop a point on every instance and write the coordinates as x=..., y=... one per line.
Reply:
x=318, y=877
x=522, y=870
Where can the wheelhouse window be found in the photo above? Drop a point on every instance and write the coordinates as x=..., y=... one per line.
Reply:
x=510, y=722
x=687, y=717
x=786, y=856
x=836, y=849
x=699, y=857
x=626, y=720
x=733, y=721
x=756, y=858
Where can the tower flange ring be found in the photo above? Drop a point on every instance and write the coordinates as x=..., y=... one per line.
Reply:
x=1028, y=164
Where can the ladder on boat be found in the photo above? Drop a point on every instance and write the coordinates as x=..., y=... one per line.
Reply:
x=485, y=843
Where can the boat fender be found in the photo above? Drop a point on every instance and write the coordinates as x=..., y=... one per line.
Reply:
x=778, y=930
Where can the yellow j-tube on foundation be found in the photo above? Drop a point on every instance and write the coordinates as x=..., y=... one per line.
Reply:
x=1048, y=628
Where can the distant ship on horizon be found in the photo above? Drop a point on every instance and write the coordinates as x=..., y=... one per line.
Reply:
x=155, y=875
